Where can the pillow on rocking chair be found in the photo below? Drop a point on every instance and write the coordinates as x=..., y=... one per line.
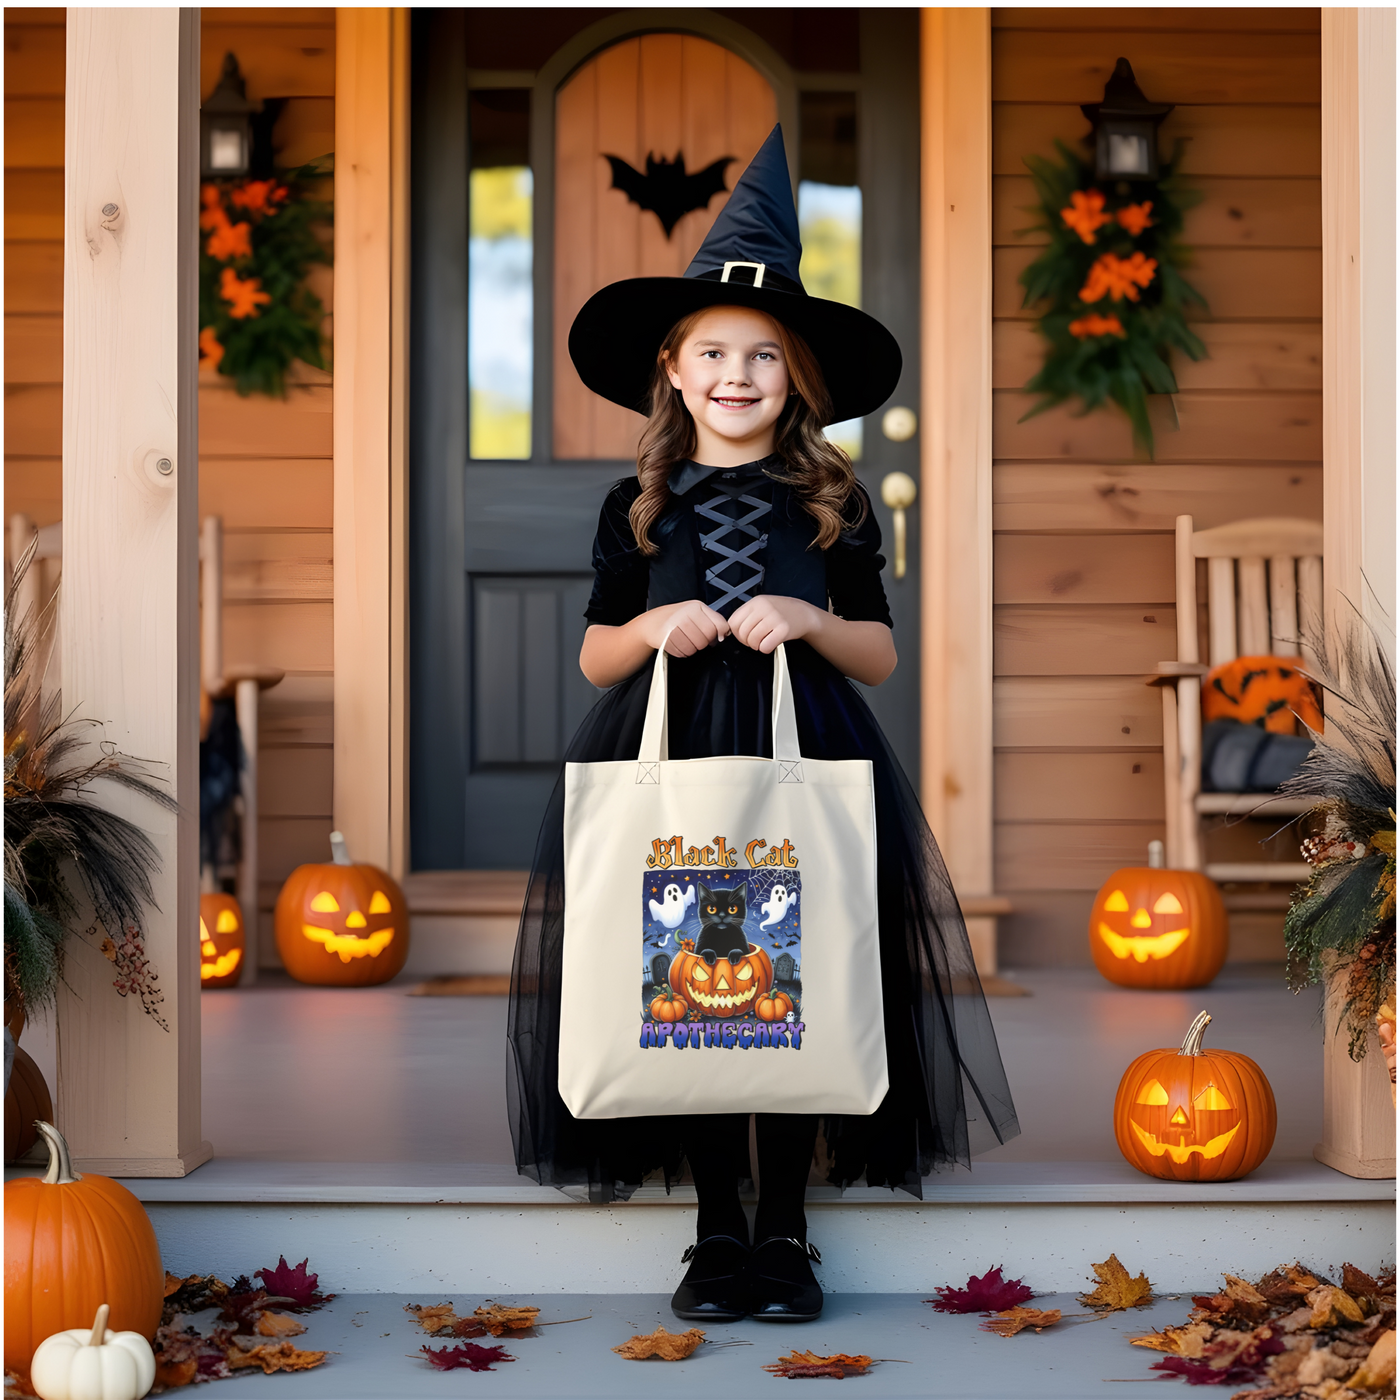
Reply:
x=1264, y=690
x=1239, y=757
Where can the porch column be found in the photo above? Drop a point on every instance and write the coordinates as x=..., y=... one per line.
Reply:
x=956, y=501
x=371, y=251
x=128, y=1090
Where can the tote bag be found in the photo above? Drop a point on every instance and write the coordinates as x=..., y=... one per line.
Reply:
x=721, y=949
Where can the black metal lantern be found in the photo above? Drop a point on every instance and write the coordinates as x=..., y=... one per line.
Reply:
x=225, y=125
x=1125, y=128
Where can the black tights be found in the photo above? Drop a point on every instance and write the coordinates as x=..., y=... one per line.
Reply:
x=717, y=1147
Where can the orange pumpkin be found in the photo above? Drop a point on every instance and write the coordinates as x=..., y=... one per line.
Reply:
x=1194, y=1114
x=26, y=1099
x=341, y=925
x=668, y=1007
x=773, y=1006
x=725, y=990
x=1158, y=928
x=1264, y=690
x=73, y=1243
x=221, y=941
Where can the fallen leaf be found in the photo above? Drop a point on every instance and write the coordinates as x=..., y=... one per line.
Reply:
x=1117, y=1289
x=1377, y=1372
x=1202, y=1373
x=990, y=1293
x=433, y=1318
x=172, y=1373
x=1283, y=1285
x=243, y=1304
x=465, y=1356
x=468, y=1327
x=1014, y=1320
x=294, y=1284
x=806, y=1364
x=275, y=1324
x=274, y=1356
x=669, y=1346
x=192, y=1294
x=1179, y=1341
x=498, y=1319
x=1332, y=1305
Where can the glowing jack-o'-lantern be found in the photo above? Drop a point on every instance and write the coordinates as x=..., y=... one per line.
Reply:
x=221, y=940
x=1158, y=928
x=342, y=924
x=725, y=989
x=1194, y=1114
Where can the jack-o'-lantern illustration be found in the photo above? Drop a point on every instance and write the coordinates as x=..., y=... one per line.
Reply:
x=221, y=940
x=342, y=924
x=721, y=989
x=1194, y=1114
x=1158, y=928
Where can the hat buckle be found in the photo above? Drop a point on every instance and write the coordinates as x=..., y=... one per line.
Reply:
x=758, y=271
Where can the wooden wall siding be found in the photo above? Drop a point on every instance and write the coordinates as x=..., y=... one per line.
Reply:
x=653, y=94
x=1084, y=582
x=265, y=464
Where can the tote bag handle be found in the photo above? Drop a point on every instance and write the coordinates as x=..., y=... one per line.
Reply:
x=785, y=749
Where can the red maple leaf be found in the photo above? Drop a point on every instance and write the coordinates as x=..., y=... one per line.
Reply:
x=243, y=1304
x=296, y=1286
x=990, y=1293
x=467, y=1355
x=1203, y=1373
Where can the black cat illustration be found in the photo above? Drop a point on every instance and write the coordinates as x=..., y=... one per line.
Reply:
x=722, y=915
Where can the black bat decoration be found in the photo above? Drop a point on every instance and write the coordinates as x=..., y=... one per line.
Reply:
x=666, y=189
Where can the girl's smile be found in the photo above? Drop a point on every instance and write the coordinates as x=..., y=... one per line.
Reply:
x=733, y=378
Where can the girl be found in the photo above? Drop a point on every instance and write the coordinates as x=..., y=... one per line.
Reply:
x=746, y=528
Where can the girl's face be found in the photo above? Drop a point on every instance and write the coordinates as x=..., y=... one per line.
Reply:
x=734, y=380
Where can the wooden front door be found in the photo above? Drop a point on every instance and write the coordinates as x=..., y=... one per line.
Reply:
x=501, y=543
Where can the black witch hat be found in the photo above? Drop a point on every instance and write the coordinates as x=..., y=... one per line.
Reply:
x=749, y=258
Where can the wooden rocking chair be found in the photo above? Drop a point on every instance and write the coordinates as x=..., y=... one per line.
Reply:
x=1264, y=598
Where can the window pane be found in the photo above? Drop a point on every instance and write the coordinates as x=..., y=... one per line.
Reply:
x=501, y=311
x=829, y=217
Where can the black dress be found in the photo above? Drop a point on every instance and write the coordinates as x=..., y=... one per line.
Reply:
x=724, y=537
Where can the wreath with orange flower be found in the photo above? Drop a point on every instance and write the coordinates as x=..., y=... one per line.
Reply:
x=1109, y=287
x=258, y=240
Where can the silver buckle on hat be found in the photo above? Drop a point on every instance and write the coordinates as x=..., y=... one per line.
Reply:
x=758, y=269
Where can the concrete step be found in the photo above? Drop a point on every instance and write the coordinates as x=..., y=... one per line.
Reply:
x=399, y=1227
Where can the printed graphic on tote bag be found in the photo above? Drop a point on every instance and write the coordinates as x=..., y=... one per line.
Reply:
x=721, y=946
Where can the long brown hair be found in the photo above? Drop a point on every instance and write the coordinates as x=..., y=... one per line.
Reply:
x=819, y=471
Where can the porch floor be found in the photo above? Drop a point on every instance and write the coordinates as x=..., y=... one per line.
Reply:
x=374, y=1347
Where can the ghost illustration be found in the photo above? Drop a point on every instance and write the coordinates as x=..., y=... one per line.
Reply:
x=671, y=910
x=779, y=902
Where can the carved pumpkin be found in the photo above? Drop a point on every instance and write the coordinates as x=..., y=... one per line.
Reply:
x=73, y=1243
x=1194, y=1114
x=221, y=940
x=726, y=990
x=1158, y=928
x=773, y=1006
x=26, y=1099
x=341, y=925
x=668, y=1007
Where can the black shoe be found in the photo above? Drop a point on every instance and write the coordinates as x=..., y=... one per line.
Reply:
x=781, y=1284
x=713, y=1287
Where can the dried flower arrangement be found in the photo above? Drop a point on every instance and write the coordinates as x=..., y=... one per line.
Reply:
x=1113, y=296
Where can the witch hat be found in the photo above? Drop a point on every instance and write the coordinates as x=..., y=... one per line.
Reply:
x=750, y=257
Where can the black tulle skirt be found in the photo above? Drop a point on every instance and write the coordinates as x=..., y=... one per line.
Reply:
x=948, y=1095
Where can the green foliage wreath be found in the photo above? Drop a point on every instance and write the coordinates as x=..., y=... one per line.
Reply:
x=258, y=240
x=1116, y=297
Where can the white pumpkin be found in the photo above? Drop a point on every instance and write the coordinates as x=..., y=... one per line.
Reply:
x=93, y=1365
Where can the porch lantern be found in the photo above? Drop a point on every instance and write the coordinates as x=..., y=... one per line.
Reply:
x=1125, y=128
x=225, y=125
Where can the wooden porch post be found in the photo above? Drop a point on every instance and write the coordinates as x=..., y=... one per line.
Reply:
x=371, y=238
x=128, y=1091
x=956, y=500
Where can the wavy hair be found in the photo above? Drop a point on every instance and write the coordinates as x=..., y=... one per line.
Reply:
x=818, y=471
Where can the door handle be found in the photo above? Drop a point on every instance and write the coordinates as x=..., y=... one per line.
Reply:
x=898, y=491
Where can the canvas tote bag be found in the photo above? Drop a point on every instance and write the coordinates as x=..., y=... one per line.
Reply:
x=721, y=948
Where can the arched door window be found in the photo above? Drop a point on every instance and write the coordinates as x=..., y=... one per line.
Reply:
x=670, y=97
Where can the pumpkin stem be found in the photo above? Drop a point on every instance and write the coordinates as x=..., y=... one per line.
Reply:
x=99, y=1326
x=340, y=851
x=60, y=1172
x=1192, y=1044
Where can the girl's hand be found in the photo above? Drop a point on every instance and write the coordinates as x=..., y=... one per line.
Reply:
x=763, y=622
x=692, y=627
